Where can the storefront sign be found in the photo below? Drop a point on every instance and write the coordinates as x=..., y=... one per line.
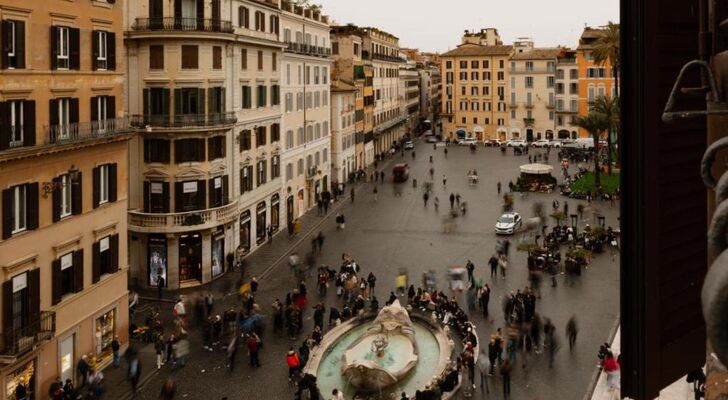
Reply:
x=104, y=244
x=189, y=187
x=156, y=188
x=67, y=261
x=20, y=282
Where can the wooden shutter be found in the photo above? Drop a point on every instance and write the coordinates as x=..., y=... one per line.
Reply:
x=34, y=294
x=95, y=108
x=74, y=48
x=178, y=102
x=96, y=262
x=20, y=44
x=96, y=185
x=28, y=122
x=663, y=216
x=54, y=47
x=201, y=195
x=8, y=213
x=53, y=112
x=110, y=107
x=147, y=194
x=31, y=209
x=77, y=196
x=78, y=270
x=165, y=197
x=213, y=193
x=111, y=51
x=178, y=197
x=8, y=310
x=4, y=125
x=56, y=203
x=94, y=49
x=145, y=102
x=200, y=149
x=225, y=199
x=113, y=187
x=211, y=148
x=73, y=116
x=177, y=9
x=4, y=35
x=164, y=150
x=200, y=14
x=216, y=11
x=180, y=151
x=56, y=281
x=114, y=247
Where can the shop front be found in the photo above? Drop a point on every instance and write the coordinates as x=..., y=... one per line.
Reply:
x=301, y=202
x=190, y=258
x=104, y=332
x=260, y=222
x=218, y=252
x=244, y=247
x=289, y=210
x=22, y=380
x=157, y=264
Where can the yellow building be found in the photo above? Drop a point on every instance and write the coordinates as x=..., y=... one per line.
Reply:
x=475, y=90
x=63, y=178
x=594, y=79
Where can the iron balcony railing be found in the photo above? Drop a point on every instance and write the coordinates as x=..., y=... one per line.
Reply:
x=17, y=342
x=82, y=131
x=182, y=24
x=303, y=48
x=385, y=57
x=184, y=120
x=528, y=121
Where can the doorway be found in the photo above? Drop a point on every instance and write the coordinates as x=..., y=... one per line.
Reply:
x=529, y=135
x=289, y=210
x=190, y=258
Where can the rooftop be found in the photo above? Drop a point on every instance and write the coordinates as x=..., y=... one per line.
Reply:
x=342, y=86
x=539, y=54
x=478, y=50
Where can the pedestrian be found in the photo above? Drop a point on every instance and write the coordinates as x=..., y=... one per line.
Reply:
x=270, y=234
x=133, y=302
x=134, y=372
x=484, y=299
x=503, y=264
x=83, y=369
x=168, y=390
x=505, y=371
x=115, y=347
x=375, y=192
x=372, y=281
x=160, y=287
x=452, y=201
x=471, y=269
x=571, y=331
x=566, y=208
x=437, y=203
x=425, y=197
x=294, y=363
x=499, y=188
x=351, y=193
x=611, y=367
x=484, y=368
x=254, y=349
x=319, y=205
x=445, y=152
x=457, y=199
x=69, y=391
x=159, y=350
x=493, y=262
x=381, y=175
x=444, y=180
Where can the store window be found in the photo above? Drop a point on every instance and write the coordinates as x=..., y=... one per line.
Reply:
x=245, y=232
x=260, y=224
x=67, y=358
x=105, y=331
x=190, y=257
x=21, y=382
x=218, y=252
x=157, y=251
x=275, y=211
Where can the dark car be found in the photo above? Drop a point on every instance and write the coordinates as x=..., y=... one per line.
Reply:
x=400, y=172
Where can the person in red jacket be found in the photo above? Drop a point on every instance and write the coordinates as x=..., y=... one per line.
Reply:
x=611, y=367
x=253, y=349
x=293, y=361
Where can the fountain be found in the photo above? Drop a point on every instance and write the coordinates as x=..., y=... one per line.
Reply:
x=391, y=352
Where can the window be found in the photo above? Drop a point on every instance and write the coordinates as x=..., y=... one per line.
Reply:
x=474, y=91
x=262, y=173
x=288, y=73
x=275, y=167
x=289, y=102
x=326, y=128
x=20, y=209
x=216, y=101
x=308, y=75
x=260, y=224
x=300, y=167
x=316, y=76
x=289, y=172
x=216, y=147
x=104, y=180
x=243, y=17
x=244, y=59
x=325, y=98
x=262, y=100
x=247, y=97
x=105, y=257
x=501, y=64
x=275, y=95
x=550, y=81
x=274, y=24
x=189, y=57
x=448, y=64
x=190, y=196
x=474, y=64
x=156, y=197
x=245, y=140
x=246, y=179
x=513, y=82
x=317, y=99
x=463, y=64
x=274, y=62
x=13, y=44
x=529, y=81
x=275, y=133
x=301, y=136
x=573, y=88
x=261, y=134
x=156, y=56
x=529, y=65
x=66, y=196
x=318, y=131
x=156, y=151
x=216, y=57
x=513, y=98
x=529, y=98
x=574, y=106
x=260, y=60
x=218, y=187
x=189, y=101
x=591, y=93
x=65, y=43
x=574, y=73
x=513, y=114
x=189, y=150
x=289, y=139
x=474, y=76
x=325, y=75
x=559, y=73
x=104, y=46
x=501, y=75
x=67, y=275
x=551, y=115
x=19, y=118
x=299, y=101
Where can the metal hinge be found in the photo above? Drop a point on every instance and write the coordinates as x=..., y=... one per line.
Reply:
x=715, y=104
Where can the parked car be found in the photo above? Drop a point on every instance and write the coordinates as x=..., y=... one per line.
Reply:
x=431, y=139
x=493, y=143
x=400, y=172
x=467, y=142
x=582, y=143
x=540, y=143
x=507, y=223
x=556, y=143
x=408, y=145
x=516, y=143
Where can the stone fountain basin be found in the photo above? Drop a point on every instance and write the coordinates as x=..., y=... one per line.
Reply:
x=369, y=371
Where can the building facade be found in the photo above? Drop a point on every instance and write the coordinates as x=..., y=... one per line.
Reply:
x=567, y=94
x=204, y=94
x=63, y=177
x=343, y=131
x=475, y=91
x=594, y=79
x=409, y=87
x=307, y=65
x=532, y=100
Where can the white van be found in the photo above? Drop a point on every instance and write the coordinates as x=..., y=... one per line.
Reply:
x=581, y=143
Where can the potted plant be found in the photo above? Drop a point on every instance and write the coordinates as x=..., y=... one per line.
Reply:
x=558, y=216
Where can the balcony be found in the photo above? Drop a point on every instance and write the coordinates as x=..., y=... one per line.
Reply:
x=15, y=343
x=182, y=24
x=528, y=121
x=182, y=222
x=184, y=121
x=528, y=105
x=550, y=105
x=512, y=104
x=567, y=61
x=307, y=49
x=312, y=172
x=385, y=57
x=83, y=131
x=567, y=110
x=541, y=70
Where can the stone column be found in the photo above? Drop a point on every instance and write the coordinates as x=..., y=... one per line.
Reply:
x=172, y=262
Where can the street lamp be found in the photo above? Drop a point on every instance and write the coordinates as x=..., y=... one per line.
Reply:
x=601, y=219
x=49, y=187
x=574, y=220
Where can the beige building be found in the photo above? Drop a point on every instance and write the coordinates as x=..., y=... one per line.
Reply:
x=409, y=87
x=343, y=130
x=567, y=94
x=63, y=178
x=532, y=98
x=475, y=91
x=204, y=91
x=307, y=113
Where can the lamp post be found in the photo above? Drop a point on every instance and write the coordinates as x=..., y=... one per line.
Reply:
x=574, y=220
x=601, y=220
x=50, y=187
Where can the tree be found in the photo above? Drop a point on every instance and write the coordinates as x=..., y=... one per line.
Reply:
x=606, y=50
x=609, y=108
x=594, y=123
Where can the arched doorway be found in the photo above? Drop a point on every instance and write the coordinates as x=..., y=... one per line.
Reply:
x=563, y=134
x=529, y=135
x=550, y=135
x=574, y=135
x=301, y=204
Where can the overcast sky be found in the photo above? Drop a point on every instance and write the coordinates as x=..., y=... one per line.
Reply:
x=438, y=25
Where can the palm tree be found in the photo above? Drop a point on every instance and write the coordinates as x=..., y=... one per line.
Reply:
x=609, y=108
x=594, y=123
x=606, y=50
